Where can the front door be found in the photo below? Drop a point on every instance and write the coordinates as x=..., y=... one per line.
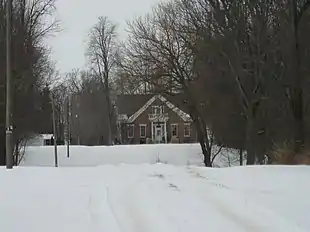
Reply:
x=158, y=134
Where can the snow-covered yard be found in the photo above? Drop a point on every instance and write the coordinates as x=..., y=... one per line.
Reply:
x=175, y=154
x=147, y=196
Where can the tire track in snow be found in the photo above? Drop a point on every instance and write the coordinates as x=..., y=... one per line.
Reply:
x=227, y=201
x=147, y=216
x=101, y=215
x=183, y=212
x=176, y=201
x=137, y=209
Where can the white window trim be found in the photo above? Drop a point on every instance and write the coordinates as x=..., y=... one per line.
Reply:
x=142, y=125
x=158, y=108
x=189, y=135
x=177, y=126
x=133, y=131
x=154, y=109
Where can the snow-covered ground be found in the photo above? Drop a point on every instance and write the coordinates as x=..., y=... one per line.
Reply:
x=153, y=198
x=175, y=154
x=145, y=195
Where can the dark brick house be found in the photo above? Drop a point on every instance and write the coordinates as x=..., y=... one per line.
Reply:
x=154, y=118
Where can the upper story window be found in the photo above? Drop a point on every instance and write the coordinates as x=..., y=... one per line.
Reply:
x=187, y=130
x=174, y=130
x=130, y=131
x=157, y=110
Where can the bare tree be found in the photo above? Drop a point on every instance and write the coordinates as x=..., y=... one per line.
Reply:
x=185, y=44
x=236, y=45
x=73, y=81
x=30, y=61
x=157, y=42
x=102, y=52
x=262, y=45
x=297, y=10
x=88, y=121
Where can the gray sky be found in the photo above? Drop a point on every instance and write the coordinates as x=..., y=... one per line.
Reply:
x=78, y=16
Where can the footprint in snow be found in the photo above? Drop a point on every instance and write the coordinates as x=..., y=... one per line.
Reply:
x=160, y=176
x=173, y=186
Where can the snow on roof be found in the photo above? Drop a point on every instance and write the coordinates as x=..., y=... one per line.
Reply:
x=46, y=136
x=184, y=116
x=122, y=117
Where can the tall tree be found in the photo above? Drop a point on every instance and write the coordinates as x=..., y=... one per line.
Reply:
x=30, y=62
x=297, y=11
x=88, y=121
x=102, y=52
x=242, y=66
x=158, y=42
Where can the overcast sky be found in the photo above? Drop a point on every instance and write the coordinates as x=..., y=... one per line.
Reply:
x=78, y=16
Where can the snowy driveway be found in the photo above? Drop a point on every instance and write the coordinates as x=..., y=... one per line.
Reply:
x=146, y=198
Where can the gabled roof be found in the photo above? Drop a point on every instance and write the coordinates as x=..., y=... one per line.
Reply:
x=128, y=104
x=184, y=116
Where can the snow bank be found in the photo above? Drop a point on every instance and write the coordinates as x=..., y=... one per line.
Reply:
x=152, y=198
x=175, y=154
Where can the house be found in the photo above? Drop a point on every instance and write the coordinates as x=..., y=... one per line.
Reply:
x=155, y=118
x=41, y=140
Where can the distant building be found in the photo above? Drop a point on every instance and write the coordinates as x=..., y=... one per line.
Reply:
x=153, y=118
x=41, y=140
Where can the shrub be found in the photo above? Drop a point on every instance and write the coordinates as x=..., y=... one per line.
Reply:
x=284, y=155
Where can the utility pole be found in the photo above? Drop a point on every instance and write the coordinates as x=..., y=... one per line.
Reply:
x=68, y=127
x=118, y=124
x=78, y=129
x=54, y=132
x=77, y=116
x=9, y=116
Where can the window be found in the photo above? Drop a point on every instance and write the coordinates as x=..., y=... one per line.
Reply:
x=157, y=110
x=187, y=130
x=174, y=130
x=142, y=130
x=130, y=131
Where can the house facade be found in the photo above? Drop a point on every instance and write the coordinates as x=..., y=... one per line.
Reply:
x=153, y=119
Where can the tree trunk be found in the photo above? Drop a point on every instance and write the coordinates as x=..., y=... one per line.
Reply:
x=2, y=144
x=241, y=156
x=201, y=129
x=2, y=121
x=109, y=109
x=16, y=151
x=206, y=150
x=249, y=139
x=299, y=137
x=296, y=88
x=55, y=133
x=206, y=154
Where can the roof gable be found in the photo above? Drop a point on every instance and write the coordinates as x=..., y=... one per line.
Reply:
x=128, y=104
x=184, y=116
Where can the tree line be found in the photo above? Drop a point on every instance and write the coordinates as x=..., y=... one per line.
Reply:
x=32, y=70
x=240, y=66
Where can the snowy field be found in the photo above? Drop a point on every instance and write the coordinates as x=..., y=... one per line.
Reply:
x=174, y=154
x=150, y=196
